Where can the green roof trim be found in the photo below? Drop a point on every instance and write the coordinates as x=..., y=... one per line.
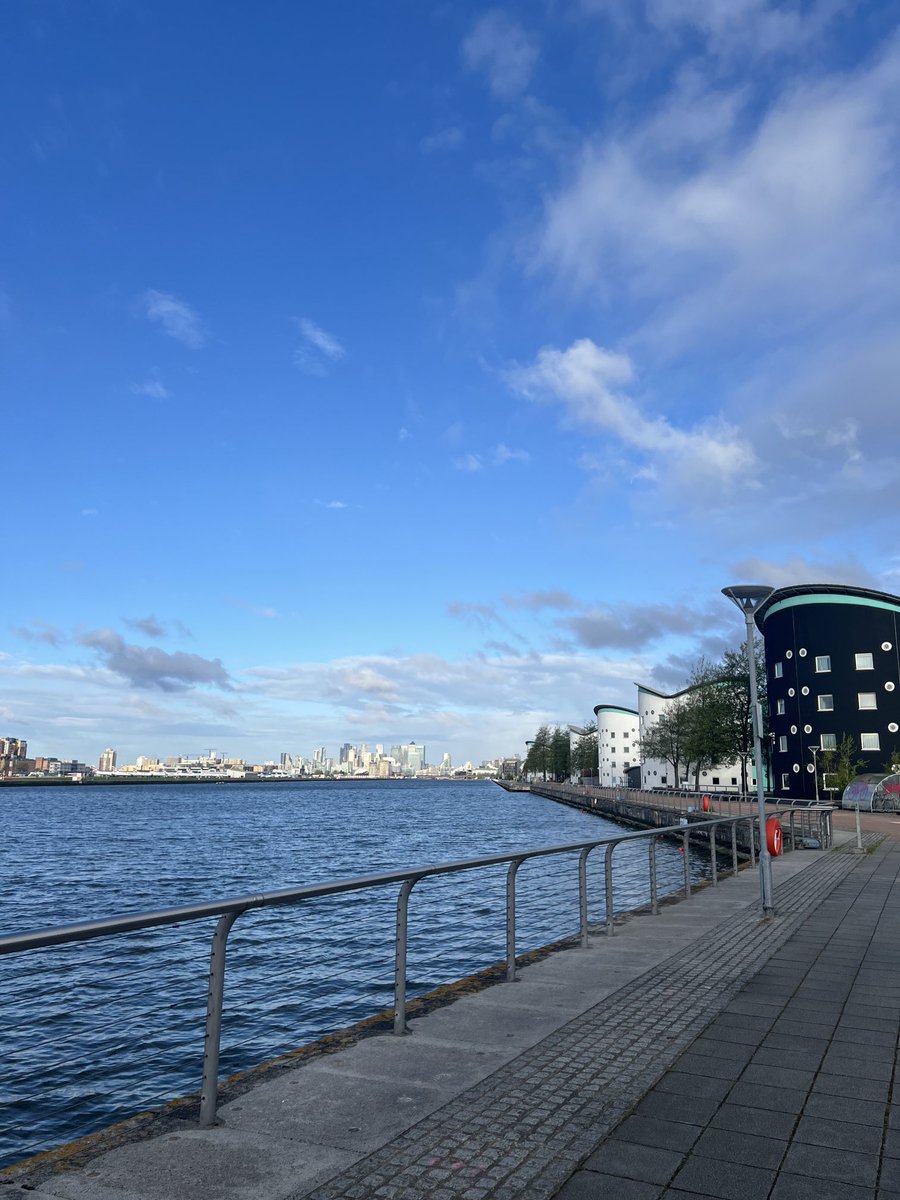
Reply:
x=825, y=598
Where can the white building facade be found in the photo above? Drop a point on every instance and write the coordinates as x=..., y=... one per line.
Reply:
x=618, y=743
x=656, y=773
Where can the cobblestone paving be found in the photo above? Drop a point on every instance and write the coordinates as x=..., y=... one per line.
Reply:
x=787, y=1093
x=519, y=1134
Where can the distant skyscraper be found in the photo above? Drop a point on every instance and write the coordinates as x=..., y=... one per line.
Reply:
x=107, y=760
x=414, y=758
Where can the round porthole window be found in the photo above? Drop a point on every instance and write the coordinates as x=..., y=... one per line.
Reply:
x=790, y=691
x=810, y=768
x=807, y=728
x=893, y=727
x=889, y=687
x=802, y=653
x=793, y=729
x=789, y=654
x=886, y=646
x=796, y=768
x=805, y=691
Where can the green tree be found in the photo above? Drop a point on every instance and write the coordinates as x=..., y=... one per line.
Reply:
x=584, y=752
x=537, y=760
x=670, y=738
x=842, y=764
x=560, y=753
x=737, y=716
x=707, y=706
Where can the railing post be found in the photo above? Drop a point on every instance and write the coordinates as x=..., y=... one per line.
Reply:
x=400, y=956
x=210, y=1084
x=654, y=892
x=686, y=851
x=582, y=896
x=511, y=920
x=712, y=854
x=734, y=849
x=752, y=843
x=608, y=881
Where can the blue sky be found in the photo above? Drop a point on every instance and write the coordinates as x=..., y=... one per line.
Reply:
x=423, y=371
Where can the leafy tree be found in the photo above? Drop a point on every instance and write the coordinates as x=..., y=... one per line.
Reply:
x=560, y=753
x=737, y=715
x=707, y=742
x=584, y=752
x=842, y=764
x=537, y=760
x=670, y=738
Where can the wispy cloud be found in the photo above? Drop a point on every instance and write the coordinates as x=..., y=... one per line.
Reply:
x=590, y=383
x=504, y=454
x=499, y=47
x=41, y=631
x=797, y=569
x=450, y=138
x=148, y=625
x=90, y=512
x=319, y=349
x=152, y=388
x=176, y=317
x=468, y=462
x=331, y=503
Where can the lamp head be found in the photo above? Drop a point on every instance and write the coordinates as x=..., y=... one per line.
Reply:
x=748, y=596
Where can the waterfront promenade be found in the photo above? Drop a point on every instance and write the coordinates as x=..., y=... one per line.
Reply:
x=618, y=1071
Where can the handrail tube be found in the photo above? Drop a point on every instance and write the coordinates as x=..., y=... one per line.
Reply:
x=582, y=897
x=400, y=955
x=511, y=920
x=228, y=910
x=83, y=931
x=212, y=1036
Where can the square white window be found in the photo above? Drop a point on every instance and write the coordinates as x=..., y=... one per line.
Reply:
x=778, y=670
x=782, y=744
x=828, y=741
x=825, y=703
x=785, y=783
x=823, y=662
x=779, y=708
x=865, y=662
x=867, y=699
x=869, y=741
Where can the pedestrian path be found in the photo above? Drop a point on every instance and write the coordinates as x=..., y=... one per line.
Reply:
x=788, y=1093
x=513, y=1092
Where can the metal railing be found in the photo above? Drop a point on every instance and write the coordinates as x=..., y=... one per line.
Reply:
x=227, y=912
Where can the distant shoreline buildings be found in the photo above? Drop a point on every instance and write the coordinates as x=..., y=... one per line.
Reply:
x=404, y=761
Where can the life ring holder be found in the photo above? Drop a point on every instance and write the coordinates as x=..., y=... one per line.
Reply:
x=774, y=837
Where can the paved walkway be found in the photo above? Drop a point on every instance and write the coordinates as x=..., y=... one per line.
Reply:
x=788, y=1093
x=564, y=1084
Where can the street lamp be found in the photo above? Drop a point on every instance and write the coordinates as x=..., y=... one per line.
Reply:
x=814, y=751
x=748, y=597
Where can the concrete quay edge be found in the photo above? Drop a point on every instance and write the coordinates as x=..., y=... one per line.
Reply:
x=388, y=1116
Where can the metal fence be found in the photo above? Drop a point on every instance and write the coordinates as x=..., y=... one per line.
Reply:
x=227, y=911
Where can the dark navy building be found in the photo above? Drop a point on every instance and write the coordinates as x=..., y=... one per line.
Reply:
x=833, y=667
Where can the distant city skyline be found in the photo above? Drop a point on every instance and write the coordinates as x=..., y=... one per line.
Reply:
x=427, y=375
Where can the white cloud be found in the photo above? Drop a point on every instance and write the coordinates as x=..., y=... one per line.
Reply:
x=468, y=462
x=589, y=382
x=152, y=388
x=332, y=504
x=319, y=340
x=502, y=49
x=798, y=569
x=503, y=454
x=747, y=27
x=450, y=138
x=176, y=317
x=786, y=217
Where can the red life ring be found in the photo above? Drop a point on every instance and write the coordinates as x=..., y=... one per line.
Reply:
x=706, y=803
x=774, y=836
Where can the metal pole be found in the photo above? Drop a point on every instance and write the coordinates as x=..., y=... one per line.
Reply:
x=609, y=889
x=686, y=851
x=858, y=830
x=654, y=893
x=712, y=852
x=400, y=956
x=734, y=850
x=582, y=896
x=765, y=859
x=210, y=1084
x=511, y=921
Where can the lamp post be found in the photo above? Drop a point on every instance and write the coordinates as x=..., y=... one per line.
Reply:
x=814, y=751
x=748, y=598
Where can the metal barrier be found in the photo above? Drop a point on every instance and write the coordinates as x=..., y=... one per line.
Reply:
x=227, y=912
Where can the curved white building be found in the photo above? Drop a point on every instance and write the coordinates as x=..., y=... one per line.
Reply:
x=656, y=773
x=618, y=744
